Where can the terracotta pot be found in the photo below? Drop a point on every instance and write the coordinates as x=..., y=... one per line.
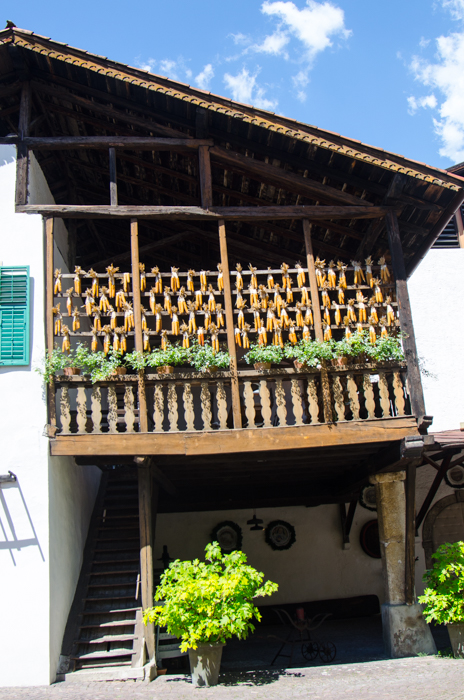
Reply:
x=161, y=671
x=300, y=366
x=341, y=361
x=71, y=371
x=262, y=365
x=165, y=369
x=118, y=371
x=212, y=369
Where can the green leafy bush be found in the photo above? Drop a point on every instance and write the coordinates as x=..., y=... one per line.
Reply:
x=209, y=602
x=136, y=360
x=102, y=366
x=174, y=355
x=56, y=361
x=264, y=353
x=385, y=349
x=444, y=596
x=351, y=347
x=310, y=352
x=203, y=356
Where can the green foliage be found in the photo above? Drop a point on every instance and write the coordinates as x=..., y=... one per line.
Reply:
x=136, y=360
x=102, y=366
x=209, y=602
x=351, y=347
x=174, y=355
x=385, y=349
x=311, y=352
x=56, y=361
x=444, y=596
x=203, y=356
x=264, y=353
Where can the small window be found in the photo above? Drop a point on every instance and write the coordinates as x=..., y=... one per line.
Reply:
x=14, y=315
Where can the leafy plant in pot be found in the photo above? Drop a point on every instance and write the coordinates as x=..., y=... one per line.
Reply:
x=308, y=353
x=263, y=356
x=206, y=603
x=71, y=363
x=205, y=359
x=443, y=598
x=165, y=360
x=348, y=349
x=102, y=367
x=386, y=350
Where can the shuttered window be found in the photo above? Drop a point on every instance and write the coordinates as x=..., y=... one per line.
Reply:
x=14, y=315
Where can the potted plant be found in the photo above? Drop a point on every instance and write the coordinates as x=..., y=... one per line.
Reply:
x=205, y=359
x=346, y=350
x=102, y=367
x=206, y=603
x=165, y=360
x=443, y=597
x=70, y=364
x=308, y=353
x=263, y=356
x=386, y=350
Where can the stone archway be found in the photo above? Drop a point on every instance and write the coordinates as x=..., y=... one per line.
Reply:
x=444, y=523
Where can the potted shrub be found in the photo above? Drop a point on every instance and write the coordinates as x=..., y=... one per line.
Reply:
x=70, y=364
x=206, y=603
x=165, y=360
x=205, y=359
x=348, y=349
x=263, y=356
x=386, y=350
x=308, y=353
x=443, y=598
x=102, y=367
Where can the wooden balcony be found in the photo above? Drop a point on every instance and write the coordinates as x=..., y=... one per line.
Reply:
x=191, y=413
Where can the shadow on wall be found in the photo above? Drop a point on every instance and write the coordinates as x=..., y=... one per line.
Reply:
x=15, y=521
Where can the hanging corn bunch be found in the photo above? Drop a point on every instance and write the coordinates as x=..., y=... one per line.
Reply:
x=167, y=300
x=390, y=312
x=146, y=341
x=76, y=322
x=277, y=339
x=116, y=339
x=253, y=280
x=241, y=318
x=300, y=275
x=174, y=321
x=383, y=329
x=372, y=334
x=128, y=317
x=292, y=334
x=256, y=316
x=143, y=313
x=270, y=279
x=78, y=271
x=184, y=329
x=111, y=271
x=164, y=340
x=341, y=295
x=211, y=299
x=126, y=281
x=158, y=280
x=190, y=282
x=175, y=284
x=89, y=302
x=320, y=272
x=106, y=339
x=262, y=336
x=94, y=342
x=219, y=316
x=373, y=310
x=158, y=318
x=277, y=299
x=331, y=276
x=245, y=339
x=308, y=319
x=66, y=344
x=120, y=299
x=198, y=299
x=96, y=318
x=113, y=317
x=286, y=281
x=350, y=311
x=306, y=333
x=238, y=337
x=304, y=296
x=203, y=280
x=192, y=325
x=270, y=316
x=143, y=277
x=263, y=296
x=362, y=313
x=238, y=277
x=253, y=294
x=341, y=267
x=358, y=272
x=289, y=291
x=327, y=316
x=181, y=302
x=325, y=296
x=69, y=294
x=201, y=336
x=58, y=319
x=369, y=262
x=377, y=291
x=299, y=314
x=207, y=319
x=284, y=316
x=359, y=329
x=104, y=303
x=220, y=279
x=348, y=333
x=94, y=275
x=384, y=271
x=327, y=331
x=338, y=316
x=57, y=285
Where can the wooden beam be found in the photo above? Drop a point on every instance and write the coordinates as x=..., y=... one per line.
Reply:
x=230, y=328
x=148, y=502
x=312, y=213
x=460, y=227
x=439, y=476
x=130, y=143
x=49, y=325
x=113, y=178
x=283, y=179
x=143, y=417
x=22, y=151
x=162, y=243
x=161, y=478
x=410, y=543
x=376, y=227
x=206, y=188
x=405, y=317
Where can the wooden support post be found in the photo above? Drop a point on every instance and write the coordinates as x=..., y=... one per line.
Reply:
x=113, y=178
x=49, y=329
x=22, y=151
x=229, y=309
x=460, y=227
x=206, y=186
x=148, y=502
x=143, y=417
x=445, y=465
x=410, y=573
x=404, y=310
x=316, y=304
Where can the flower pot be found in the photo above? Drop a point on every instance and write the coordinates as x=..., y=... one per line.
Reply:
x=212, y=369
x=456, y=635
x=301, y=366
x=262, y=365
x=71, y=371
x=341, y=361
x=118, y=371
x=205, y=662
x=165, y=369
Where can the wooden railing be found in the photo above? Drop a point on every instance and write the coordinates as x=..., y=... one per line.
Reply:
x=191, y=401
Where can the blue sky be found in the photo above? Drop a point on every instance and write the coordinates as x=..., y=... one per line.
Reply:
x=390, y=74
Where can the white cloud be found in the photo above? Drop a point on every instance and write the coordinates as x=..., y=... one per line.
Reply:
x=204, y=78
x=423, y=43
x=273, y=44
x=244, y=88
x=415, y=103
x=172, y=69
x=456, y=7
x=300, y=81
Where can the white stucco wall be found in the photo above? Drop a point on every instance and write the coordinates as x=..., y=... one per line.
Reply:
x=315, y=568
x=44, y=519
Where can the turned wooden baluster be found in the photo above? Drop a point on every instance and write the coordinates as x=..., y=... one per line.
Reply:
x=81, y=417
x=221, y=398
x=338, y=397
x=369, y=399
x=189, y=414
x=129, y=414
x=384, y=395
x=266, y=410
x=280, y=402
x=398, y=390
x=297, y=401
x=313, y=400
x=249, y=399
x=205, y=399
x=65, y=411
x=173, y=412
x=112, y=410
x=158, y=408
x=96, y=409
x=353, y=396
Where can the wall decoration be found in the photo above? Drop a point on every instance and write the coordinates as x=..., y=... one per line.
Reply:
x=369, y=539
x=367, y=498
x=229, y=536
x=454, y=477
x=256, y=523
x=280, y=535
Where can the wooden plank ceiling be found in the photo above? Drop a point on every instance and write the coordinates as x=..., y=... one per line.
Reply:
x=253, y=163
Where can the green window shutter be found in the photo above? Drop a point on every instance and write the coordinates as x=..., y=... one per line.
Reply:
x=14, y=315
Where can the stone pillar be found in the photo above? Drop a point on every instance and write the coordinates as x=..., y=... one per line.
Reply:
x=405, y=631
